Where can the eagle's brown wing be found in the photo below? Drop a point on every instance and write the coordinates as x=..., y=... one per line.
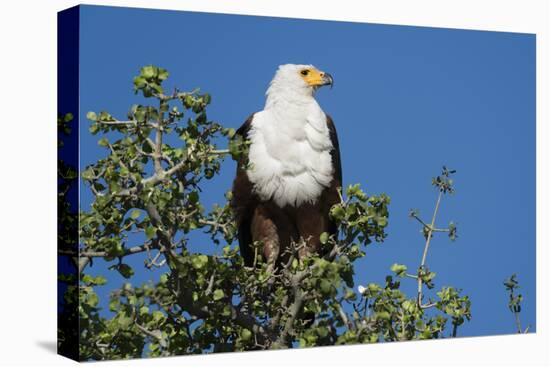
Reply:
x=330, y=194
x=244, y=201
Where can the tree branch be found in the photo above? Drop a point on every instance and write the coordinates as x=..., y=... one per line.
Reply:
x=427, y=245
x=91, y=254
x=158, y=146
x=295, y=307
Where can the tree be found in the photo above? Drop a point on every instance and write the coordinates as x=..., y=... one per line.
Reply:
x=147, y=201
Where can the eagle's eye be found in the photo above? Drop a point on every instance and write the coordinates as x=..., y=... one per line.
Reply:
x=304, y=72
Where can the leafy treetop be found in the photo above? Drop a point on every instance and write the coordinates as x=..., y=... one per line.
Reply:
x=147, y=201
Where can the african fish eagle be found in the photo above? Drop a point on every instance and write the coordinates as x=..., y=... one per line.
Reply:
x=285, y=192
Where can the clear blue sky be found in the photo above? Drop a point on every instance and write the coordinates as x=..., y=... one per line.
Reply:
x=406, y=101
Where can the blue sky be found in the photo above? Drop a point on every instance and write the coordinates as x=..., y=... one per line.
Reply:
x=406, y=101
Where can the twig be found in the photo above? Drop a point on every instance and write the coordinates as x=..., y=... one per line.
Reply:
x=428, y=305
x=344, y=317
x=455, y=329
x=210, y=284
x=82, y=263
x=91, y=254
x=117, y=122
x=150, y=262
x=295, y=308
x=427, y=245
x=158, y=146
x=176, y=95
x=429, y=227
x=518, y=323
x=147, y=331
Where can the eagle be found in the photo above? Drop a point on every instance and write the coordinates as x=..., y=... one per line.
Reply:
x=288, y=181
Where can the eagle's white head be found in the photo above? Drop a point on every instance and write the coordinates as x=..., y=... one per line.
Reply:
x=296, y=82
x=290, y=159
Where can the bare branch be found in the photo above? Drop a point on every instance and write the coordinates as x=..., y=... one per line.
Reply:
x=118, y=122
x=148, y=332
x=427, y=245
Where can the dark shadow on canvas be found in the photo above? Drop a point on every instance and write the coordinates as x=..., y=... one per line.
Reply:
x=48, y=345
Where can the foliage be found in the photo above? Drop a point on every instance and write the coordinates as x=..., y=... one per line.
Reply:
x=67, y=231
x=514, y=304
x=147, y=200
x=67, y=177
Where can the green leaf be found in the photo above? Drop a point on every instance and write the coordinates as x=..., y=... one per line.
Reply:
x=409, y=306
x=163, y=74
x=88, y=174
x=124, y=321
x=337, y=212
x=99, y=280
x=135, y=214
x=246, y=335
x=149, y=71
x=324, y=237
x=139, y=82
x=94, y=129
x=399, y=269
x=350, y=295
x=125, y=270
x=229, y=132
x=226, y=311
x=452, y=231
x=322, y=331
x=325, y=286
x=383, y=315
x=103, y=142
x=199, y=261
x=139, y=115
x=189, y=101
x=218, y=294
x=93, y=299
x=353, y=190
x=193, y=197
x=372, y=287
x=105, y=116
x=91, y=116
x=157, y=88
x=150, y=232
x=157, y=316
x=143, y=310
x=114, y=304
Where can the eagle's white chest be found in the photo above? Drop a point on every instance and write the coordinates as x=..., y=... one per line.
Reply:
x=289, y=155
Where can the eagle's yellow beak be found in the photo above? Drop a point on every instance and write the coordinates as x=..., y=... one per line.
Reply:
x=316, y=78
